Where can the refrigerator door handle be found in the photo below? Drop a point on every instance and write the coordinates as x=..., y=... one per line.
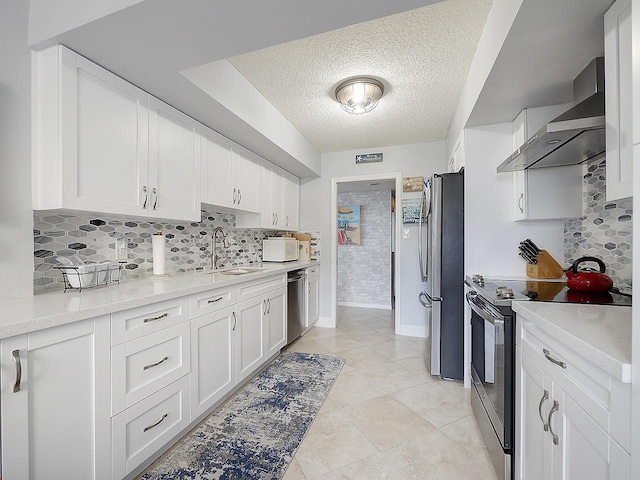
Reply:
x=425, y=303
x=420, y=223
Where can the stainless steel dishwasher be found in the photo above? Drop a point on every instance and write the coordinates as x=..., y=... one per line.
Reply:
x=295, y=304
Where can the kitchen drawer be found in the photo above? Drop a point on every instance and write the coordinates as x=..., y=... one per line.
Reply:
x=143, y=366
x=211, y=301
x=137, y=322
x=143, y=429
x=313, y=271
x=259, y=287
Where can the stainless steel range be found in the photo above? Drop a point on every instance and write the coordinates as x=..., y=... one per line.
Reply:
x=493, y=353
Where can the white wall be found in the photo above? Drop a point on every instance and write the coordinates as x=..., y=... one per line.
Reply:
x=16, y=217
x=421, y=159
x=491, y=235
x=499, y=21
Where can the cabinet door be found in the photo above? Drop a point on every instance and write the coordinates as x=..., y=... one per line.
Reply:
x=267, y=216
x=174, y=163
x=248, y=176
x=618, y=105
x=212, y=359
x=104, y=130
x=291, y=205
x=277, y=321
x=533, y=402
x=313, y=301
x=277, y=196
x=249, y=329
x=58, y=423
x=217, y=170
x=584, y=450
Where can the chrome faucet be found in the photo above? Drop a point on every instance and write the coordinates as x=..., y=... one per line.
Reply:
x=214, y=243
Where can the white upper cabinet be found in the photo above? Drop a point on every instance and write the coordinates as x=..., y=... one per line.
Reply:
x=551, y=193
x=457, y=159
x=291, y=208
x=618, y=104
x=174, y=163
x=247, y=179
x=231, y=175
x=99, y=147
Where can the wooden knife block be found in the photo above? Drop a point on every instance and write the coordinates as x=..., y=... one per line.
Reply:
x=546, y=267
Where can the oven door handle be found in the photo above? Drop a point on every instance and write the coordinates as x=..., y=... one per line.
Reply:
x=483, y=310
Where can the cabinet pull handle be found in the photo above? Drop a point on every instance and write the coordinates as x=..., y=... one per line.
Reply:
x=16, y=359
x=273, y=218
x=309, y=285
x=276, y=219
x=269, y=310
x=155, y=424
x=235, y=321
x=553, y=410
x=521, y=203
x=548, y=356
x=215, y=300
x=234, y=195
x=544, y=398
x=239, y=196
x=146, y=196
x=147, y=320
x=287, y=224
x=264, y=307
x=155, y=193
x=147, y=367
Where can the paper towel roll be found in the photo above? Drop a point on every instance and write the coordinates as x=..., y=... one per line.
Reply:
x=158, y=243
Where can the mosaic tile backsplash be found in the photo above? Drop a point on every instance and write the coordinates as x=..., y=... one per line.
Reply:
x=605, y=229
x=364, y=271
x=188, y=246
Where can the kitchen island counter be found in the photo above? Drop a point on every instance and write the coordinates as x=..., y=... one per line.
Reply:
x=599, y=333
x=30, y=314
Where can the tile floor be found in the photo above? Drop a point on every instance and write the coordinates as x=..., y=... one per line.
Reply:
x=386, y=417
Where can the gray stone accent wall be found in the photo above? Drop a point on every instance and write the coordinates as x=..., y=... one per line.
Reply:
x=605, y=229
x=188, y=246
x=364, y=271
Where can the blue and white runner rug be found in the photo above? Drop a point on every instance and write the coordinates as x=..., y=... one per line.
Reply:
x=256, y=432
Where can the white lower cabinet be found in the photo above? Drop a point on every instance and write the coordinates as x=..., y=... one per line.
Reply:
x=313, y=297
x=276, y=333
x=250, y=352
x=55, y=403
x=213, y=371
x=143, y=429
x=571, y=417
x=556, y=438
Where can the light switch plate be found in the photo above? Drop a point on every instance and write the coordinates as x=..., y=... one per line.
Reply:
x=406, y=233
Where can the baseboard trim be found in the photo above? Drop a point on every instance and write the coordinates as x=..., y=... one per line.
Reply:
x=324, y=322
x=364, y=305
x=412, y=331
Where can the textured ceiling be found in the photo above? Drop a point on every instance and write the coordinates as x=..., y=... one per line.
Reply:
x=422, y=57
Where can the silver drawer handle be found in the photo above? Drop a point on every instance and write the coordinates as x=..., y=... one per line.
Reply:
x=146, y=196
x=147, y=367
x=215, y=300
x=234, y=196
x=235, y=321
x=548, y=356
x=16, y=359
x=553, y=410
x=147, y=320
x=155, y=193
x=239, y=197
x=155, y=424
x=544, y=398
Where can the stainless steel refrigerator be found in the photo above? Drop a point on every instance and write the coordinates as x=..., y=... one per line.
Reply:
x=441, y=257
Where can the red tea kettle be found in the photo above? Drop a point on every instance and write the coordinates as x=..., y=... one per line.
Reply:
x=588, y=281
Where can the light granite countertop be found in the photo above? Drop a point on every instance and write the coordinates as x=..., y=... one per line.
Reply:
x=599, y=333
x=29, y=314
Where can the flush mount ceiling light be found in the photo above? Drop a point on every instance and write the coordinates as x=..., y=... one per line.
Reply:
x=359, y=95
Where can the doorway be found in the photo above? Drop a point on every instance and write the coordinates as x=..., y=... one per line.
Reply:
x=379, y=242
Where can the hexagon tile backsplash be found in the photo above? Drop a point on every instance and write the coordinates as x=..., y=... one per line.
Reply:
x=188, y=243
x=605, y=229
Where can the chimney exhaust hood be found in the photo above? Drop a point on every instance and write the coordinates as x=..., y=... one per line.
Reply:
x=576, y=136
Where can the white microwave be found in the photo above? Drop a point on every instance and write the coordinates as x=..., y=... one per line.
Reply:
x=280, y=249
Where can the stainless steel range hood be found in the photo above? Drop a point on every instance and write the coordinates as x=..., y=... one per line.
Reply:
x=576, y=136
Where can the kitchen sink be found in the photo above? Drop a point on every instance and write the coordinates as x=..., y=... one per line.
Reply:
x=238, y=271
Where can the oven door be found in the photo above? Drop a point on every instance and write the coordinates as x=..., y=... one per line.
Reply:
x=492, y=365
